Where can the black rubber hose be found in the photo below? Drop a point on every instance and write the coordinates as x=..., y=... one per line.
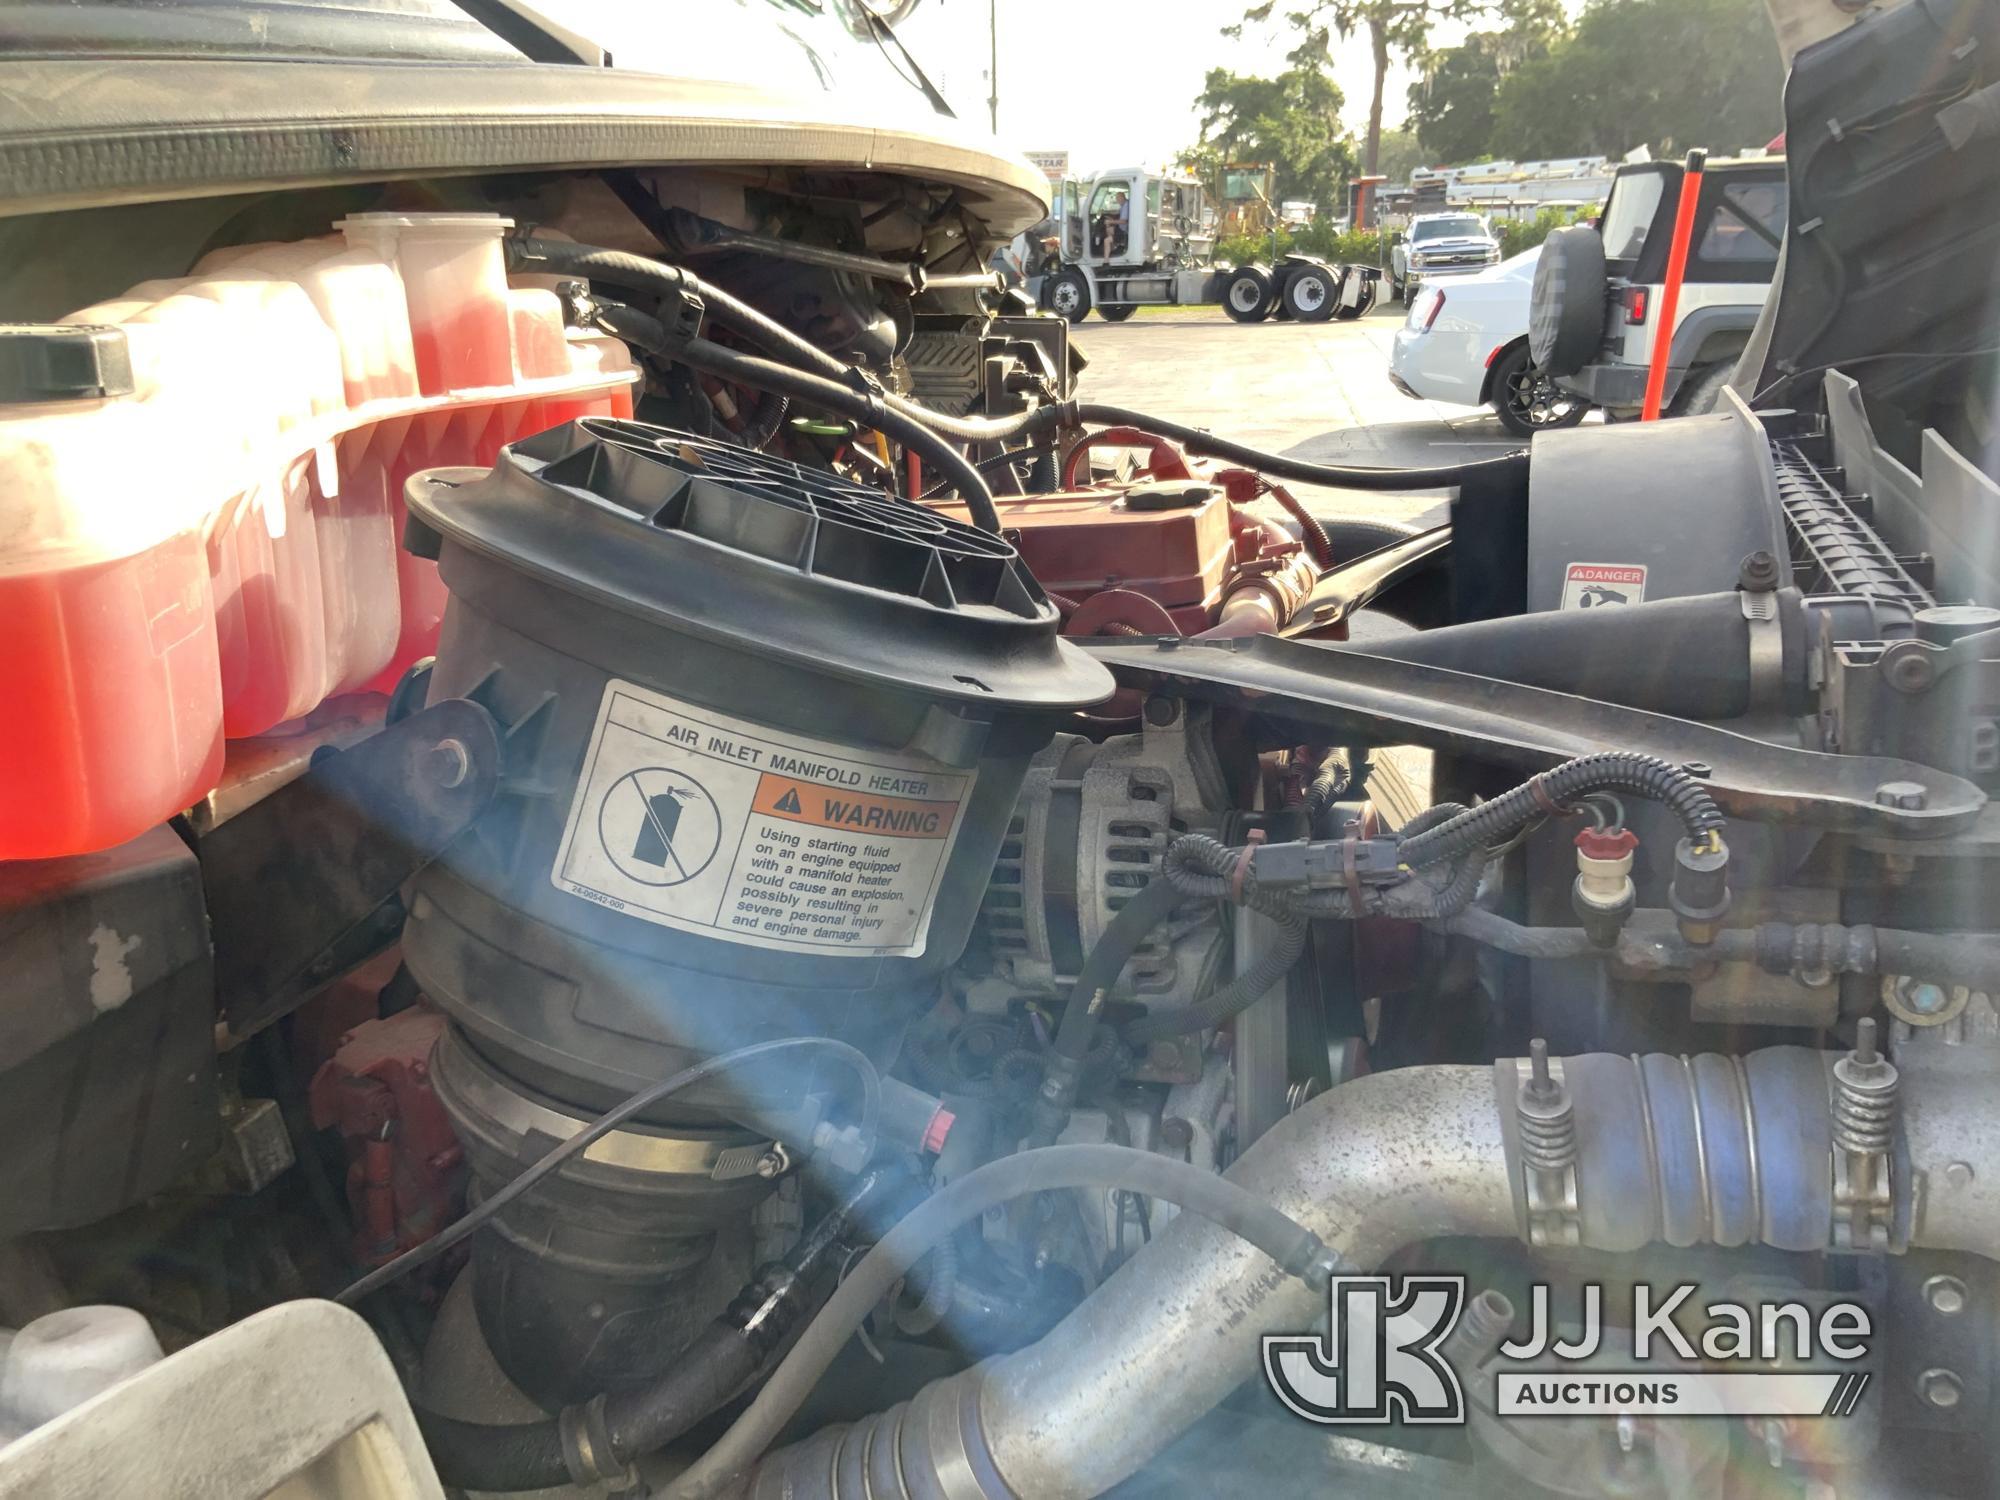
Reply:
x=1333, y=777
x=1195, y=440
x=1128, y=928
x=642, y=273
x=603, y=1125
x=494, y=1458
x=765, y=375
x=1688, y=658
x=623, y=269
x=1242, y=992
x=1069, y=1050
x=1493, y=822
x=721, y=1359
x=1297, y=1250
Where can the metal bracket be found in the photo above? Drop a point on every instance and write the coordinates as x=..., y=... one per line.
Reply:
x=301, y=886
x=1379, y=700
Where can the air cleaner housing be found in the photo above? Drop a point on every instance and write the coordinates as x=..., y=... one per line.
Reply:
x=766, y=730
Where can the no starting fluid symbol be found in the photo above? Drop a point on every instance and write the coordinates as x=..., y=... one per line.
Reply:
x=660, y=827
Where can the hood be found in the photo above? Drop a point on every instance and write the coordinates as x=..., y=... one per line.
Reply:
x=1894, y=164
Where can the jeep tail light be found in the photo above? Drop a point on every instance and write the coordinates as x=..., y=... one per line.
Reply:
x=1634, y=298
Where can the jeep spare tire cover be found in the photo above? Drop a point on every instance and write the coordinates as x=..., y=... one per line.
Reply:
x=1566, y=313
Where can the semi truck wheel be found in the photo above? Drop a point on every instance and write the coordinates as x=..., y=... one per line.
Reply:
x=1117, y=314
x=1246, y=295
x=1311, y=294
x=1069, y=295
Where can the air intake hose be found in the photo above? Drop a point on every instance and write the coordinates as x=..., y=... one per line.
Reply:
x=1712, y=1149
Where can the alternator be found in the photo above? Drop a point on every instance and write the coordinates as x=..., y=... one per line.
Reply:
x=1091, y=827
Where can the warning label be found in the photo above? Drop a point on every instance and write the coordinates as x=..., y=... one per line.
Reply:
x=693, y=820
x=1589, y=585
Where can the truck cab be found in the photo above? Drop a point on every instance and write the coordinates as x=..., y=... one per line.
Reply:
x=1127, y=237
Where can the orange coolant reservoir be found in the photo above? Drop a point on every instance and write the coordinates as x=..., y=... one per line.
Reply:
x=201, y=500
x=109, y=665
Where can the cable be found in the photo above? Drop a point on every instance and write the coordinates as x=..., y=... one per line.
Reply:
x=1297, y=1250
x=641, y=1419
x=985, y=465
x=1869, y=359
x=1195, y=440
x=865, y=406
x=642, y=273
x=622, y=269
x=1064, y=1065
x=584, y=1139
x=1555, y=790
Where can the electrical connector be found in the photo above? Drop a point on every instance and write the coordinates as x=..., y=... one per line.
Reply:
x=1328, y=863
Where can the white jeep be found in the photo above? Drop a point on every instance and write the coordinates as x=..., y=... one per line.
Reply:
x=1595, y=311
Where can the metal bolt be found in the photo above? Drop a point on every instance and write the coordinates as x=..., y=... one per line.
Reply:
x=1159, y=711
x=1758, y=573
x=1946, y=1295
x=1544, y=1117
x=1940, y=1388
x=1176, y=1134
x=1907, y=795
x=1538, y=1066
x=1909, y=670
x=775, y=1162
x=1925, y=998
x=1864, y=1042
x=450, y=763
x=1958, y=1174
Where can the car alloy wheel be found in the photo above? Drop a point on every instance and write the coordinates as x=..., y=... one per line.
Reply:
x=1531, y=401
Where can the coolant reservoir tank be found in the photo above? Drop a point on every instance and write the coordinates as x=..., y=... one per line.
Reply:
x=765, y=732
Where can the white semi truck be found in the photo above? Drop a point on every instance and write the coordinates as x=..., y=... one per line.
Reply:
x=1132, y=237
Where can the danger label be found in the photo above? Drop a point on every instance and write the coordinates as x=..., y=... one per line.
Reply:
x=1593, y=585
x=694, y=820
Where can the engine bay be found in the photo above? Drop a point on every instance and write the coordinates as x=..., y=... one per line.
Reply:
x=648, y=798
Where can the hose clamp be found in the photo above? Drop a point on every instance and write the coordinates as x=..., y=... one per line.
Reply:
x=864, y=384
x=1767, y=650
x=586, y=1447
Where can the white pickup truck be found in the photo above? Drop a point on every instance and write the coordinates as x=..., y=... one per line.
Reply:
x=1442, y=244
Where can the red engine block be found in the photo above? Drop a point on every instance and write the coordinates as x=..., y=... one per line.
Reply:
x=1177, y=552
x=406, y=1169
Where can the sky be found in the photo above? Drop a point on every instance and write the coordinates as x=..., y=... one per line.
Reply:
x=1111, y=82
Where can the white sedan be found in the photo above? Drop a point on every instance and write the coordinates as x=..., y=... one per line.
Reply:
x=1466, y=341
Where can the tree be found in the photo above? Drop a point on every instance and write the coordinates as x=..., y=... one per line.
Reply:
x=1291, y=121
x=1392, y=26
x=1605, y=89
x=1451, y=106
x=1401, y=154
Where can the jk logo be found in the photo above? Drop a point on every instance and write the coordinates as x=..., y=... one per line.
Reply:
x=1379, y=1360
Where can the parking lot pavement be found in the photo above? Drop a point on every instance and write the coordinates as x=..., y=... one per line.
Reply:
x=1316, y=391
